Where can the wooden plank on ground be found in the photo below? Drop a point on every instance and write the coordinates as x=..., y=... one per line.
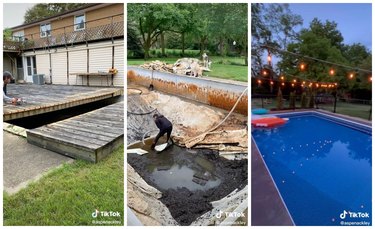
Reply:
x=46, y=98
x=90, y=136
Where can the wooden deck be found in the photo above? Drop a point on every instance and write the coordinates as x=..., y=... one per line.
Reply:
x=90, y=136
x=41, y=99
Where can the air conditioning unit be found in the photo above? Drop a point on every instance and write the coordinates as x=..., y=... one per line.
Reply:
x=38, y=79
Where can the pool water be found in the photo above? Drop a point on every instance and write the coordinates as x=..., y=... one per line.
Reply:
x=321, y=169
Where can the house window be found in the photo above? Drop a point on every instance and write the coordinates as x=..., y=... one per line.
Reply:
x=79, y=22
x=45, y=30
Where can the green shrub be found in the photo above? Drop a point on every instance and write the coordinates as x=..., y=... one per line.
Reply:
x=304, y=100
x=292, y=100
x=311, y=100
x=280, y=102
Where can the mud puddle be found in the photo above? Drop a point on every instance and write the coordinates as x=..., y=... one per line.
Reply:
x=188, y=179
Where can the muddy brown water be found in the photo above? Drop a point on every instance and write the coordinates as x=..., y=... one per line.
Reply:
x=188, y=179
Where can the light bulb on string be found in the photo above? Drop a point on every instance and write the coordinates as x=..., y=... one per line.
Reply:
x=332, y=71
x=259, y=81
x=351, y=75
x=302, y=66
x=269, y=58
x=282, y=84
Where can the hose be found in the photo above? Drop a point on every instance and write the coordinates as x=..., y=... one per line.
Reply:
x=144, y=113
x=215, y=127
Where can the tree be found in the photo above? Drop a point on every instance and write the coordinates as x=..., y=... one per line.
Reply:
x=133, y=42
x=324, y=42
x=327, y=30
x=43, y=10
x=152, y=20
x=7, y=34
x=274, y=25
x=187, y=22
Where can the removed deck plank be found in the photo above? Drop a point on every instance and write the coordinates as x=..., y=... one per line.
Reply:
x=90, y=136
x=47, y=98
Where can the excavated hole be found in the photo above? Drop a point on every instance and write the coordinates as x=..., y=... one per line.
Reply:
x=188, y=179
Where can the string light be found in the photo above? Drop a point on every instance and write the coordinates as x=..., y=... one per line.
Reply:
x=265, y=73
x=351, y=75
x=282, y=77
x=332, y=71
x=302, y=66
x=294, y=81
x=315, y=59
x=282, y=84
x=259, y=81
x=269, y=58
x=271, y=82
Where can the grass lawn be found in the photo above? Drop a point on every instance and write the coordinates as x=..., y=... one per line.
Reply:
x=70, y=194
x=222, y=67
x=351, y=109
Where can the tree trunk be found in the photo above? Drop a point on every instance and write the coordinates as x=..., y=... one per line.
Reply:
x=221, y=46
x=147, y=55
x=146, y=47
x=201, y=46
x=162, y=43
x=183, y=43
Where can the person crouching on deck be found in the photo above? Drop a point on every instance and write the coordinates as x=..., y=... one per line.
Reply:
x=7, y=77
x=164, y=125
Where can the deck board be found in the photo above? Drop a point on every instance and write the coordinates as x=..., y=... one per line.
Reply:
x=90, y=136
x=47, y=98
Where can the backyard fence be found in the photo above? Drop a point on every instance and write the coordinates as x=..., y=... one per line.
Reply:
x=351, y=107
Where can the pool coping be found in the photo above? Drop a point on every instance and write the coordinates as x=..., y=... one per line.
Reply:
x=269, y=204
x=325, y=112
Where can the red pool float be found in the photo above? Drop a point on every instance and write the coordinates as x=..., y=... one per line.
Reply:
x=268, y=122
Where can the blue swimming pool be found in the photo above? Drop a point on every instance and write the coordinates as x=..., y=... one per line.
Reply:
x=321, y=166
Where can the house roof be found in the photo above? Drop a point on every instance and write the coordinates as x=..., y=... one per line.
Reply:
x=60, y=15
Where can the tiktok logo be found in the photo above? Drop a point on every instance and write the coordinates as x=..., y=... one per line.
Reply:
x=95, y=213
x=219, y=214
x=343, y=215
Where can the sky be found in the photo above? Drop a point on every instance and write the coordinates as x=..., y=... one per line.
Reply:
x=353, y=19
x=13, y=13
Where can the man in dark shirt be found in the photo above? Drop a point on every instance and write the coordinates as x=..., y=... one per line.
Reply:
x=164, y=125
